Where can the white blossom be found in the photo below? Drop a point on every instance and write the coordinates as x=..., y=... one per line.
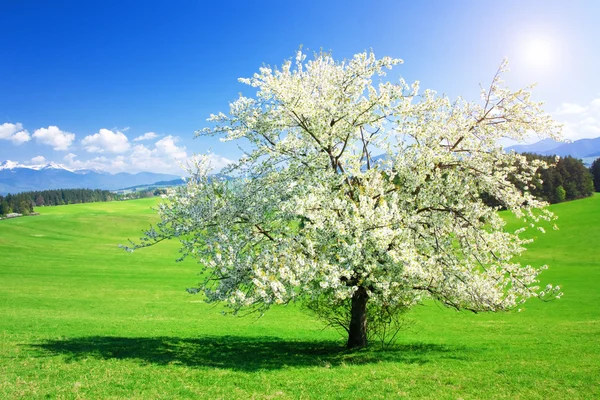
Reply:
x=312, y=212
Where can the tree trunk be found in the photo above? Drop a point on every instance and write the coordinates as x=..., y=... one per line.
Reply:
x=357, y=334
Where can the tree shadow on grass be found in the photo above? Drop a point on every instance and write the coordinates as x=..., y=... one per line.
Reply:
x=241, y=353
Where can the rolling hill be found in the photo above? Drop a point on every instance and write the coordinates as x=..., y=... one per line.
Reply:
x=81, y=318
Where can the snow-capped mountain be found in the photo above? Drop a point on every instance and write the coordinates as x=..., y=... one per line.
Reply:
x=8, y=164
x=15, y=177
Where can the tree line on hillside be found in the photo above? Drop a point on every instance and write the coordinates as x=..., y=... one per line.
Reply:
x=565, y=179
x=18, y=203
x=23, y=203
x=562, y=180
x=595, y=171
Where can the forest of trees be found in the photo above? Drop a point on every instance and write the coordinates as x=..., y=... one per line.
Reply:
x=23, y=203
x=567, y=179
x=595, y=170
x=18, y=203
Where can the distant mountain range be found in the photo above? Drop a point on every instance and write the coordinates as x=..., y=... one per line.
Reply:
x=15, y=178
x=586, y=149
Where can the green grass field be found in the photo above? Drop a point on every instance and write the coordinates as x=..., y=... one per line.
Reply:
x=80, y=318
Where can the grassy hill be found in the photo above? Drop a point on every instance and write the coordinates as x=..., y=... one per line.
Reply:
x=80, y=318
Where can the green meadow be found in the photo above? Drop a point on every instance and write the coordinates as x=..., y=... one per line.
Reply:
x=81, y=318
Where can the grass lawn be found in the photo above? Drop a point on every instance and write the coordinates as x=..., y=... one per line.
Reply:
x=80, y=318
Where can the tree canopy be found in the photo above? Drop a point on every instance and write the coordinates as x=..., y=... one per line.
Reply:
x=24, y=202
x=362, y=196
x=595, y=171
x=562, y=178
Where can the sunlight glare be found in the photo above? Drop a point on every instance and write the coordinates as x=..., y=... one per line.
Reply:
x=538, y=53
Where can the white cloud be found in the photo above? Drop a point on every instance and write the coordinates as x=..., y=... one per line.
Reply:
x=218, y=162
x=569, y=108
x=166, y=146
x=53, y=136
x=106, y=141
x=14, y=132
x=20, y=137
x=70, y=158
x=38, y=160
x=165, y=156
x=7, y=129
x=146, y=136
x=579, y=121
x=100, y=163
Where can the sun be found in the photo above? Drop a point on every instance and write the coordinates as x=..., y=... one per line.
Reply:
x=538, y=53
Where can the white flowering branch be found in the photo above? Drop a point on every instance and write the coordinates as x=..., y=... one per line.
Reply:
x=320, y=216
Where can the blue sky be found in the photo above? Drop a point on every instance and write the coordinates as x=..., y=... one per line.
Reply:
x=80, y=81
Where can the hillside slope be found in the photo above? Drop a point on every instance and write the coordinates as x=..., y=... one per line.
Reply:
x=82, y=318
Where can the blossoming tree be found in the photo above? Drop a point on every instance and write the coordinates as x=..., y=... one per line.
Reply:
x=358, y=193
